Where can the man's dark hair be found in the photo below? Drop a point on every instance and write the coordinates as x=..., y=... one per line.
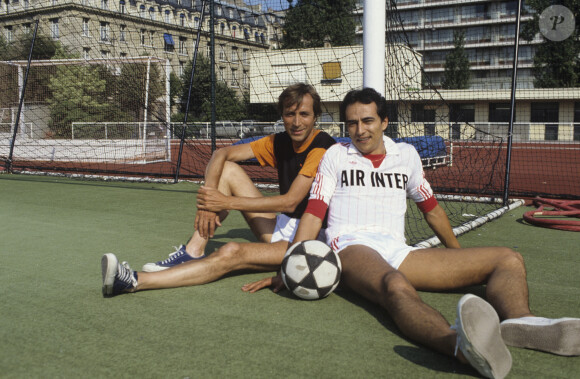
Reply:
x=294, y=94
x=364, y=96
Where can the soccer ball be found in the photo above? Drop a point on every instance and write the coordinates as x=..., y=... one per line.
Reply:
x=311, y=270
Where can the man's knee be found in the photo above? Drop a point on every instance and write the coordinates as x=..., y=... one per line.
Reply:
x=228, y=252
x=511, y=260
x=395, y=286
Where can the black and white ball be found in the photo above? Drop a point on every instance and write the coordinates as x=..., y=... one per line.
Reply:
x=311, y=270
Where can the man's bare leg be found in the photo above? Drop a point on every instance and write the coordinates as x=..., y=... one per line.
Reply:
x=502, y=269
x=231, y=257
x=235, y=182
x=368, y=274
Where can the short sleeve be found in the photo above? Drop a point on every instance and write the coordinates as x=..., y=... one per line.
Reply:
x=418, y=188
x=264, y=151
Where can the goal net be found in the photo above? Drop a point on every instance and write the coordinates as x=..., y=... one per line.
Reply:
x=127, y=89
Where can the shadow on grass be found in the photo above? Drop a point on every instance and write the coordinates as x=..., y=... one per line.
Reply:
x=419, y=355
x=125, y=184
x=434, y=361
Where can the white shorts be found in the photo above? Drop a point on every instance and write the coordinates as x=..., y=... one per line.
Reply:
x=393, y=251
x=286, y=228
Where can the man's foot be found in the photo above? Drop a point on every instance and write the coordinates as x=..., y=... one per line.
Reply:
x=479, y=338
x=179, y=256
x=118, y=277
x=557, y=336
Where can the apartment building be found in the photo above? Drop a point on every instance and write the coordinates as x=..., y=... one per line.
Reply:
x=165, y=29
x=489, y=28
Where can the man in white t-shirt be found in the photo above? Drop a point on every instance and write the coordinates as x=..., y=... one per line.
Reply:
x=364, y=186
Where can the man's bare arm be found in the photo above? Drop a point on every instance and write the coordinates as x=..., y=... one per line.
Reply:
x=211, y=199
x=439, y=223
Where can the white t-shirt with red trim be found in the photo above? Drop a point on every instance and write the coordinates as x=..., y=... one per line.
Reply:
x=362, y=197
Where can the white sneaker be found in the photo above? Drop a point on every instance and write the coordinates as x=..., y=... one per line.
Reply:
x=479, y=338
x=558, y=336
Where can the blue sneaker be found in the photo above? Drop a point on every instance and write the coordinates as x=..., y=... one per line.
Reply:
x=118, y=277
x=179, y=256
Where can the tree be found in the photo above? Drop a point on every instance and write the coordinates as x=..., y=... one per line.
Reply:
x=228, y=105
x=556, y=63
x=456, y=74
x=311, y=23
x=79, y=93
x=131, y=89
x=44, y=48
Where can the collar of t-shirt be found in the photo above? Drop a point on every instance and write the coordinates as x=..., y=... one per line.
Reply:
x=376, y=159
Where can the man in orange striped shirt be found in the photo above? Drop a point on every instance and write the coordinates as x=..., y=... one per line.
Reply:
x=295, y=153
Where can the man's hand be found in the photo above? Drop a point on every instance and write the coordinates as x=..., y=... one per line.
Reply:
x=205, y=223
x=210, y=199
x=275, y=282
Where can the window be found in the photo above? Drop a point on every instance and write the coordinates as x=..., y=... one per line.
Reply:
x=393, y=116
x=246, y=33
x=182, y=19
x=221, y=74
x=26, y=28
x=54, y=31
x=142, y=36
x=105, y=32
x=8, y=33
x=219, y=10
x=196, y=22
x=181, y=68
x=86, y=52
x=460, y=113
x=142, y=11
x=167, y=16
x=122, y=7
x=245, y=57
x=86, y=27
x=26, y=4
x=576, y=121
x=105, y=54
x=234, y=31
x=122, y=33
x=152, y=13
x=182, y=44
x=222, y=53
x=105, y=4
x=234, y=55
x=499, y=112
x=426, y=116
x=257, y=37
x=546, y=113
x=551, y=132
x=245, y=80
x=222, y=29
x=234, y=78
x=439, y=15
x=168, y=44
x=331, y=73
x=151, y=38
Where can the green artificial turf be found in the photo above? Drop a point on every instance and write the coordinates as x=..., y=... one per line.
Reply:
x=55, y=323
